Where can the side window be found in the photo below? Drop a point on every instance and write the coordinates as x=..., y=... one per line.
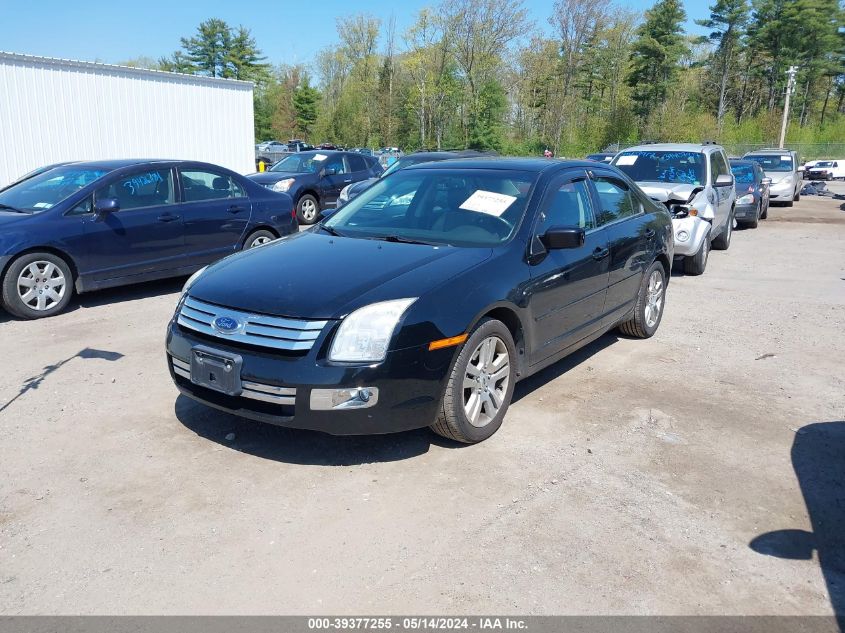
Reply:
x=148, y=188
x=207, y=185
x=567, y=205
x=336, y=163
x=718, y=166
x=615, y=199
x=357, y=163
x=83, y=208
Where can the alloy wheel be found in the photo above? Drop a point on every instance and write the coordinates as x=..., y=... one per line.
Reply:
x=654, y=299
x=258, y=241
x=486, y=381
x=41, y=285
x=309, y=210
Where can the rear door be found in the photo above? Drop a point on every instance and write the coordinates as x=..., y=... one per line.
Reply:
x=724, y=195
x=145, y=235
x=629, y=236
x=216, y=212
x=568, y=287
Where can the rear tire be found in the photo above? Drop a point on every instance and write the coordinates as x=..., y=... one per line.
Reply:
x=484, y=373
x=797, y=197
x=259, y=237
x=648, y=311
x=307, y=209
x=695, y=264
x=37, y=285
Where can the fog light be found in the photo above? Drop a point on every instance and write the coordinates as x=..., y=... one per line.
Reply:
x=353, y=398
x=682, y=236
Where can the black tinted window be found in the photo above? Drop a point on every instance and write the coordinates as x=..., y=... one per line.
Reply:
x=615, y=199
x=148, y=188
x=357, y=163
x=567, y=205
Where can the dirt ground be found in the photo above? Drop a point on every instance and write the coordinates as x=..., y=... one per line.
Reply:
x=630, y=478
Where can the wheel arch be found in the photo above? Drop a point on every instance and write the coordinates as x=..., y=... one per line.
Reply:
x=256, y=228
x=74, y=270
x=508, y=315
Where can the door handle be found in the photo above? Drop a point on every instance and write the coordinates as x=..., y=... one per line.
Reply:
x=168, y=217
x=235, y=209
x=600, y=253
x=349, y=180
x=650, y=233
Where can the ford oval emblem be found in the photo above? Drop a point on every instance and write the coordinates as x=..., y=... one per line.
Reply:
x=226, y=324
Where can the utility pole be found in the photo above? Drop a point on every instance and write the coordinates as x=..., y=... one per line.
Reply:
x=790, y=86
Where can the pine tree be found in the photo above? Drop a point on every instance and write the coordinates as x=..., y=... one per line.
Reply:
x=659, y=46
x=305, y=102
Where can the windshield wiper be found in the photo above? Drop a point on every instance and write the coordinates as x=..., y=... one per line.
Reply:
x=6, y=207
x=331, y=231
x=402, y=240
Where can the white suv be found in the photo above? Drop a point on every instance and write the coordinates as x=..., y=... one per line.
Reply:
x=696, y=185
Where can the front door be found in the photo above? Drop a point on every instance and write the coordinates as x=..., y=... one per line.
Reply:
x=336, y=178
x=144, y=235
x=216, y=213
x=568, y=286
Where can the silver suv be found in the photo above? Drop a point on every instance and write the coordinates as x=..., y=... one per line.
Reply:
x=696, y=185
x=781, y=165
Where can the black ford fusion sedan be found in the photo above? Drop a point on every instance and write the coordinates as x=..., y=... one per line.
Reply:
x=439, y=288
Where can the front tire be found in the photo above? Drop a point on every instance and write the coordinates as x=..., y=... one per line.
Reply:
x=695, y=264
x=37, y=285
x=648, y=311
x=723, y=241
x=765, y=213
x=307, y=209
x=480, y=386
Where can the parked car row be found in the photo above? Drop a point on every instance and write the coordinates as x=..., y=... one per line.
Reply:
x=442, y=281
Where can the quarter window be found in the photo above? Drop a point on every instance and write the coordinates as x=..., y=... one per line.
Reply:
x=615, y=200
x=569, y=205
x=208, y=185
x=148, y=188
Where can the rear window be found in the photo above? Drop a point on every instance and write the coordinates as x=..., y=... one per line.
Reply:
x=743, y=173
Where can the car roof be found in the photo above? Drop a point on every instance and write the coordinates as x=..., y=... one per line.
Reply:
x=672, y=147
x=536, y=165
x=771, y=150
x=114, y=164
x=740, y=161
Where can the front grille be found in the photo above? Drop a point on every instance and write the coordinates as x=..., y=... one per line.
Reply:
x=285, y=396
x=255, y=329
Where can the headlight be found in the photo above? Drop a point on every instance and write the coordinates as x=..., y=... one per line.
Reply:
x=282, y=185
x=365, y=334
x=344, y=194
x=192, y=279
x=749, y=199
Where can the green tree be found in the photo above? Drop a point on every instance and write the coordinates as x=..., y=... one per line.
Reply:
x=306, y=100
x=657, y=51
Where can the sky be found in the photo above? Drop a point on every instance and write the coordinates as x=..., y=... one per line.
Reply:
x=287, y=32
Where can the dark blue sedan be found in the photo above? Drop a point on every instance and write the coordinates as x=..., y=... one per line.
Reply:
x=90, y=225
x=315, y=179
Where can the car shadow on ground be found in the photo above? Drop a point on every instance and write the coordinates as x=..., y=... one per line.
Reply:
x=818, y=457
x=145, y=290
x=34, y=382
x=296, y=446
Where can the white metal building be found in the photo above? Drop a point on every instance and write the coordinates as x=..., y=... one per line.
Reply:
x=53, y=110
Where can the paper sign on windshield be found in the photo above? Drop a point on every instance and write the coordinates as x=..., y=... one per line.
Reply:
x=320, y=157
x=627, y=160
x=488, y=202
x=786, y=157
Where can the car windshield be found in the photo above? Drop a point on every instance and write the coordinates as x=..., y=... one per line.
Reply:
x=46, y=190
x=743, y=173
x=824, y=163
x=468, y=208
x=773, y=162
x=301, y=163
x=663, y=166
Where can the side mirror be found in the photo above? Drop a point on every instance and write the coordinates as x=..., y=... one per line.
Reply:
x=766, y=181
x=559, y=237
x=106, y=205
x=724, y=180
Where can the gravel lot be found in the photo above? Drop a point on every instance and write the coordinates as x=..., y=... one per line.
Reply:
x=627, y=479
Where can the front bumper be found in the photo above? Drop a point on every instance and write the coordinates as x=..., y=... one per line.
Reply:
x=689, y=232
x=410, y=384
x=746, y=211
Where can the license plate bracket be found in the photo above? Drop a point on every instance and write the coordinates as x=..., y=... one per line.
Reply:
x=216, y=370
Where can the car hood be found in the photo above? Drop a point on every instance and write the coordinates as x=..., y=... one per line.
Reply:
x=313, y=275
x=666, y=191
x=269, y=177
x=9, y=218
x=778, y=176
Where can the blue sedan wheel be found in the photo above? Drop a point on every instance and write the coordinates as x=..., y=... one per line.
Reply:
x=37, y=285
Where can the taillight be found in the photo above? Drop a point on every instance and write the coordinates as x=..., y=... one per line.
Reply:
x=293, y=213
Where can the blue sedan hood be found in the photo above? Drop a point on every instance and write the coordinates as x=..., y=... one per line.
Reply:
x=313, y=275
x=8, y=218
